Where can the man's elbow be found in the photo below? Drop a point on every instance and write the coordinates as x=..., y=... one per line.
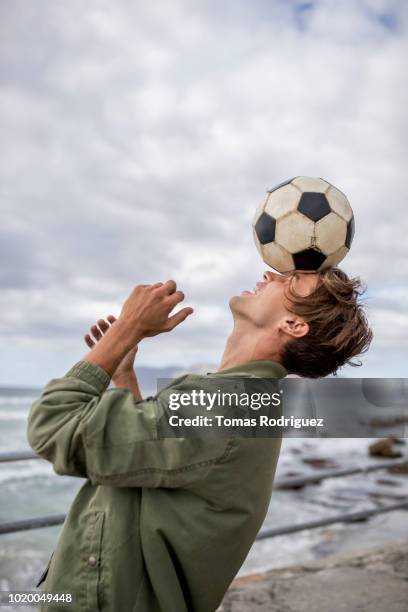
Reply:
x=54, y=432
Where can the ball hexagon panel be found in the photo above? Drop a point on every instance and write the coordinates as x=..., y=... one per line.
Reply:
x=314, y=205
x=280, y=185
x=333, y=259
x=282, y=260
x=339, y=203
x=309, y=183
x=281, y=202
x=350, y=232
x=265, y=228
x=309, y=259
x=330, y=233
x=294, y=232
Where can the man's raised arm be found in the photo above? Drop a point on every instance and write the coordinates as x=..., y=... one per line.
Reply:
x=146, y=312
x=102, y=435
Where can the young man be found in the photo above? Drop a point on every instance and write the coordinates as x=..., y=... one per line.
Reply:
x=164, y=524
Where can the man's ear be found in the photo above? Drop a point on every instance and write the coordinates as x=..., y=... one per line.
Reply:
x=294, y=326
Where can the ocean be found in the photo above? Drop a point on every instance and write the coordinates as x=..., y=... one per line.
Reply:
x=32, y=489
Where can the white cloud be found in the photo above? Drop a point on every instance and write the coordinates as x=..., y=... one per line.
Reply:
x=138, y=138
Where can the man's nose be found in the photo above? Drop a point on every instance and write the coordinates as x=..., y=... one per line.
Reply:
x=269, y=276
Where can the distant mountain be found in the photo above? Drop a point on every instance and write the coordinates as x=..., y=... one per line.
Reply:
x=148, y=376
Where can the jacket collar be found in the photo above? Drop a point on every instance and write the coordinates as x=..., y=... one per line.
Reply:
x=255, y=369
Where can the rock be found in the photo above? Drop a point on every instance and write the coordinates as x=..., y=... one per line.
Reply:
x=384, y=448
x=388, y=482
x=320, y=462
x=382, y=495
x=368, y=581
x=401, y=470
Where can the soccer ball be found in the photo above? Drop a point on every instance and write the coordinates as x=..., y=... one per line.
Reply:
x=304, y=224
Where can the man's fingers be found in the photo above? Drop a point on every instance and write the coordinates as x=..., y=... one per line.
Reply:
x=175, y=298
x=178, y=318
x=89, y=341
x=103, y=325
x=168, y=287
x=99, y=330
x=96, y=332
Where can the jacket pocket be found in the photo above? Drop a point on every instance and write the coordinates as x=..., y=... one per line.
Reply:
x=45, y=572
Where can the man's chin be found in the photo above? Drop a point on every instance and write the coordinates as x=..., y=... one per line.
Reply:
x=234, y=301
x=237, y=301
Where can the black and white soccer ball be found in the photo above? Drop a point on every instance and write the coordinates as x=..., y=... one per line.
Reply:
x=304, y=224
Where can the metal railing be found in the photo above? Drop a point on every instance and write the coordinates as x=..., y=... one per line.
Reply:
x=18, y=456
x=34, y=523
x=360, y=515
x=292, y=482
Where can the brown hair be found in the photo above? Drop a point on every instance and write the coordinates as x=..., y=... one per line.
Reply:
x=338, y=328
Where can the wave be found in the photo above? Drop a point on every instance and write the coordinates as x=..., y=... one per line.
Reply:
x=14, y=415
x=17, y=400
x=10, y=476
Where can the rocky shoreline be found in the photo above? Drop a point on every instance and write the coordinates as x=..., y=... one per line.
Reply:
x=372, y=580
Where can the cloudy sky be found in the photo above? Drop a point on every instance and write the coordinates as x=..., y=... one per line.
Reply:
x=138, y=138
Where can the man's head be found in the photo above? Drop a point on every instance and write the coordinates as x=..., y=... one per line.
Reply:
x=312, y=323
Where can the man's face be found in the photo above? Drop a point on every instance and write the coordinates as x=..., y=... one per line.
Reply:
x=267, y=304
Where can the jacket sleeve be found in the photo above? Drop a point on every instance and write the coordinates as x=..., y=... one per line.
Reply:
x=110, y=438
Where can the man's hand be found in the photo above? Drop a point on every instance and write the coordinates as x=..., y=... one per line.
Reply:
x=97, y=332
x=146, y=312
x=147, y=309
x=124, y=376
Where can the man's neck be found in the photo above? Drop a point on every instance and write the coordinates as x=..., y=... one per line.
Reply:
x=243, y=347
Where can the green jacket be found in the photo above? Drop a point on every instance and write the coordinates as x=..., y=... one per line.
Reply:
x=160, y=525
